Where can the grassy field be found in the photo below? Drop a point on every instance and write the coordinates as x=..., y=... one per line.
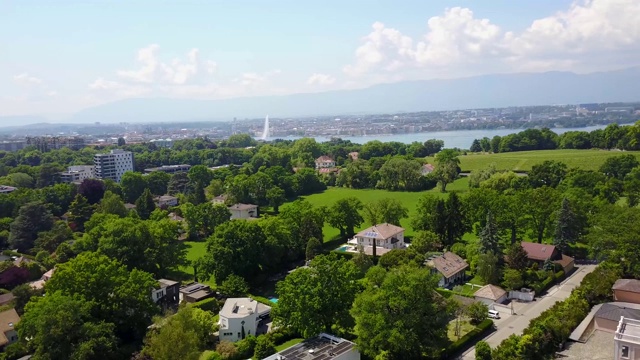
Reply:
x=524, y=160
x=288, y=344
x=408, y=199
x=195, y=250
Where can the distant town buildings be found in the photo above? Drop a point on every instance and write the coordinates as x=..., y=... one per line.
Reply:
x=113, y=165
x=46, y=143
x=78, y=173
x=12, y=145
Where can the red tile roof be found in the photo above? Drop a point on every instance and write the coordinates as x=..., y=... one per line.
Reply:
x=537, y=251
x=630, y=285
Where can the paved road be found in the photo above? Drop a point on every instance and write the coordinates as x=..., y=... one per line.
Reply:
x=524, y=312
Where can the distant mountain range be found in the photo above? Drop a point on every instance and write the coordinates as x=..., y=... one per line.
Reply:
x=486, y=91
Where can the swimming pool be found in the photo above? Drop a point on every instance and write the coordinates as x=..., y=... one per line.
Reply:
x=274, y=300
x=343, y=248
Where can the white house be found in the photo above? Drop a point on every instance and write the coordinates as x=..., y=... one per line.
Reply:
x=490, y=294
x=220, y=199
x=322, y=347
x=450, y=266
x=325, y=162
x=385, y=236
x=241, y=317
x=166, y=200
x=4, y=189
x=243, y=211
x=78, y=173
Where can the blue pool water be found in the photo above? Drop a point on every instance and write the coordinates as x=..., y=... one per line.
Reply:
x=274, y=300
x=343, y=248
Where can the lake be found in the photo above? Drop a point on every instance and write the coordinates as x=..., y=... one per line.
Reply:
x=459, y=138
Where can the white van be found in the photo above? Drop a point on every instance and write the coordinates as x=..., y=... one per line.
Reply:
x=494, y=314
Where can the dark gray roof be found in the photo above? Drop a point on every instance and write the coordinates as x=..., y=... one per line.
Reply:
x=612, y=311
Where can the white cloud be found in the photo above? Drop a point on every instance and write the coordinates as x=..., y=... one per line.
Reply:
x=152, y=70
x=590, y=35
x=253, y=79
x=321, y=79
x=26, y=79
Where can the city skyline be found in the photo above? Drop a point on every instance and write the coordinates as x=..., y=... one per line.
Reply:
x=60, y=58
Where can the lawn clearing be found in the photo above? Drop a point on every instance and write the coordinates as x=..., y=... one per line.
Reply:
x=196, y=250
x=408, y=199
x=524, y=160
x=465, y=327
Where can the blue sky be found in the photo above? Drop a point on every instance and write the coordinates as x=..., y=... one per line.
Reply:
x=57, y=57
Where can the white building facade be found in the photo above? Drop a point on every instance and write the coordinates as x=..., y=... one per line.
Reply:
x=241, y=317
x=78, y=173
x=113, y=165
x=627, y=339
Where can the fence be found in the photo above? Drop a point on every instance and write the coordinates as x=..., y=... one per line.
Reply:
x=522, y=295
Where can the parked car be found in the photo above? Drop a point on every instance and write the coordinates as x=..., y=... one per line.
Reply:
x=494, y=314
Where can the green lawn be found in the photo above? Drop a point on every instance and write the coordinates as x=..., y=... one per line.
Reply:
x=408, y=199
x=465, y=327
x=288, y=344
x=524, y=160
x=195, y=250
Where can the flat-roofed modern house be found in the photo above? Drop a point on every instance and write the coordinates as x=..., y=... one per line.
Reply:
x=627, y=339
x=385, y=236
x=166, y=201
x=166, y=294
x=78, y=173
x=322, y=347
x=195, y=292
x=169, y=169
x=240, y=317
x=450, y=267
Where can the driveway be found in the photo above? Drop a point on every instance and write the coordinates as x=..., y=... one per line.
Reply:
x=524, y=312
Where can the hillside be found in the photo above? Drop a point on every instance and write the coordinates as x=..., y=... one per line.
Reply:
x=499, y=90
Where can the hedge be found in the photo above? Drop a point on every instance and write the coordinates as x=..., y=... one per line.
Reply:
x=544, y=285
x=467, y=339
x=210, y=304
x=344, y=254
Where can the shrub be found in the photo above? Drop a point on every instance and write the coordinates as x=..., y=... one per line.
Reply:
x=227, y=350
x=477, y=312
x=483, y=351
x=264, y=347
x=246, y=347
x=210, y=304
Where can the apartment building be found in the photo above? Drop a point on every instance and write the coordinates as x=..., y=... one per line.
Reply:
x=113, y=165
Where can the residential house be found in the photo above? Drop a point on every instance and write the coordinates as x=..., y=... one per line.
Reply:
x=166, y=294
x=627, y=290
x=175, y=217
x=541, y=253
x=427, y=169
x=39, y=284
x=627, y=339
x=243, y=211
x=220, y=199
x=195, y=292
x=77, y=173
x=385, y=236
x=6, y=299
x=354, y=155
x=322, y=347
x=4, y=189
x=490, y=294
x=450, y=267
x=240, y=317
x=8, y=321
x=166, y=201
x=325, y=162
x=169, y=169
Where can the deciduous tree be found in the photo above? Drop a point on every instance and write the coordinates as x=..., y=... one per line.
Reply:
x=389, y=316
x=32, y=219
x=311, y=300
x=385, y=210
x=447, y=167
x=79, y=212
x=344, y=215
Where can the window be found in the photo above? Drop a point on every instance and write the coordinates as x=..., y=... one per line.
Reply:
x=238, y=335
x=625, y=352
